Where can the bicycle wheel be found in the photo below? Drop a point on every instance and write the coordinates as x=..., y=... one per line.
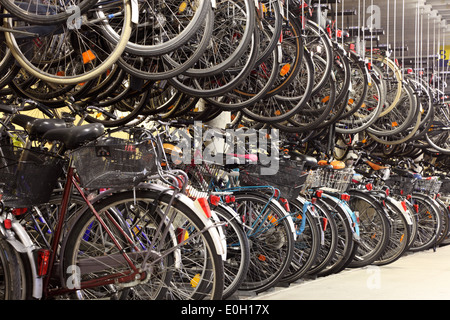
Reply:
x=47, y=12
x=271, y=237
x=438, y=136
x=287, y=102
x=173, y=63
x=238, y=251
x=163, y=26
x=219, y=84
x=319, y=44
x=71, y=55
x=346, y=246
x=329, y=244
x=307, y=243
x=374, y=228
x=234, y=24
x=313, y=113
x=366, y=114
x=429, y=223
x=11, y=273
x=172, y=248
x=399, y=235
x=252, y=89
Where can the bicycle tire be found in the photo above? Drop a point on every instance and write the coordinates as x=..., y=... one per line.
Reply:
x=48, y=17
x=346, y=245
x=429, y=223
x=238, y=251
x=400, y=233
x=307, y=243
x=374, y=228
x=175, y=62
x=227, y=45
x=173, y=275
x=46, y=71
x=11, y=273
x=275, y=245
x=330, y=239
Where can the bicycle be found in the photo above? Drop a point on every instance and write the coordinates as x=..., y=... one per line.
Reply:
x=157, y=245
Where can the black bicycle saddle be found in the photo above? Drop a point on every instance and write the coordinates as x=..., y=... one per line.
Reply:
x=75, y=136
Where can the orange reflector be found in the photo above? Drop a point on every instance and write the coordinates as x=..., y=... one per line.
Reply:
x=60, y=73
x=325, y=99
x=350, y=101
x=285, y=69
x=394, y=124
x=182, y=7
x=272, y=219
x=88, y=56
x=195, y=280
x=262, y=257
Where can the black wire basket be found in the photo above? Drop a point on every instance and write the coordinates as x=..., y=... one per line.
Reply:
x=114, y=162
x=400, y=185
x=445, y=186
x=288, y=177
x=28, y=176
x=428, y=185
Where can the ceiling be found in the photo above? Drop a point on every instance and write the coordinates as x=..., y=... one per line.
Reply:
x=416, y=29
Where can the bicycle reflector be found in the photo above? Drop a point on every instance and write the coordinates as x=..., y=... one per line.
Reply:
x=229, y=199
x=19, y=211
x=43, y=259
x=345, y=197
x=202, y=203
x=214, y=200
x=7, y=224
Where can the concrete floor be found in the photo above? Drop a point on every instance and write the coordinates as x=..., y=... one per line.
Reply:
x=416, y=276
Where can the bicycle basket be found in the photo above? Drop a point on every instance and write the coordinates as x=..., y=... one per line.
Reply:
x=329, y=179
x=428, y=185
x=114, y=162
x=202, y=177
x=29, y=176
x=399, y=185
x=289, y=177
x=445, y=187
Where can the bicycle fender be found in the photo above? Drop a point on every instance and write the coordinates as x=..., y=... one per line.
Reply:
x=403, y=209
x=24, y=244
x=213, y=229
x=351, y=217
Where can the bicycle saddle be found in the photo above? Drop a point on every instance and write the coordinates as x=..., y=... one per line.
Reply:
x=36, y=127
x=7, y=109
x=22, y=120
x=75, y=136
x=403, y=172
x=309, y=162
